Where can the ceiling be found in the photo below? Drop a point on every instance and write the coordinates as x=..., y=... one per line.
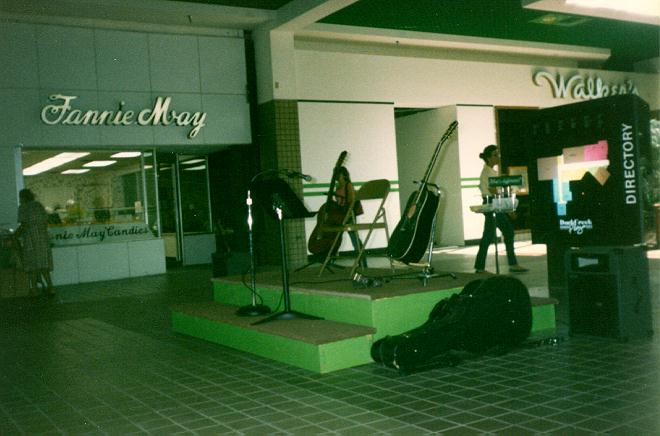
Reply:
x=628, y=42
x=507, y=19
x=121, y=165
x=31, y=157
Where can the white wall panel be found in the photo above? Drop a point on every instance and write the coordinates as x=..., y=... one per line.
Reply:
x=174, y=63
x=18, y=55
x=222, y=65
x=366, y=131
x=228, y=119
x=67, y=57
x=476, y=130
x=122, y=60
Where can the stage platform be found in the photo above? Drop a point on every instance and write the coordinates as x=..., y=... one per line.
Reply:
x=353, y=317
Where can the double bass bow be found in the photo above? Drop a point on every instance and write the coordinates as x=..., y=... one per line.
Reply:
x=330, y=213
x=410, y=238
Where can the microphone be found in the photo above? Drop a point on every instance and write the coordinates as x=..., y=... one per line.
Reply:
x=294, y=174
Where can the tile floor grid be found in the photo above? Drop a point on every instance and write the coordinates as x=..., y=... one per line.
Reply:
x=101, y=359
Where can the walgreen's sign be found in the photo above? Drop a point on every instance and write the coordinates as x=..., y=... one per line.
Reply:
x=582, y=87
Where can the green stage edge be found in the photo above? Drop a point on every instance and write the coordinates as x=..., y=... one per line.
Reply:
x=341, y=308
x=389, y=316
x=321, y=358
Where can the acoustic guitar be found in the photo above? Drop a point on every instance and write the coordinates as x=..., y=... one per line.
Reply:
x=411, y=237
x=331, y=213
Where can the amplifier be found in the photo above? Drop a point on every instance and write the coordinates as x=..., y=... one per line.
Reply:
x=608, y=292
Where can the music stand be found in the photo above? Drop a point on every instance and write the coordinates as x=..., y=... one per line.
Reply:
x=284, y=204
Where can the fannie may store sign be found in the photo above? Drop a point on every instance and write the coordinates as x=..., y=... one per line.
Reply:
x=61, y=111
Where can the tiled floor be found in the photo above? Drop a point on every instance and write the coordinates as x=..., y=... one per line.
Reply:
x=100, y=359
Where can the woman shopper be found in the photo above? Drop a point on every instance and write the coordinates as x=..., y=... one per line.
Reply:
x=32, y=232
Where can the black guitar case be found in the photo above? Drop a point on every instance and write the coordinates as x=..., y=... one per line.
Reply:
x=489, y=314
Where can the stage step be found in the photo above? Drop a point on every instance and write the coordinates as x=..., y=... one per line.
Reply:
x=353, y=318
x=320, y=346
x=389, y=313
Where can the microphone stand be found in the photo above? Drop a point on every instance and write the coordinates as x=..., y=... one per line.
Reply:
x=255, y=309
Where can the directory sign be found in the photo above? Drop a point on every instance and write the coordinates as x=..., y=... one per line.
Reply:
x=586, y=172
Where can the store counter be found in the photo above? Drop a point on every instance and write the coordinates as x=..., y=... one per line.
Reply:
x=94, y=252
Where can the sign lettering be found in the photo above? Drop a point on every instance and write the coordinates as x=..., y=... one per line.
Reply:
x=577, y=226
x=628, y=159
x=97, y=233
x=62, y=112
x=582, y=87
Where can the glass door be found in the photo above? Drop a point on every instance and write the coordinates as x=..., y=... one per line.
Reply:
x=194, y=192
x=168, y=202
x=185, y=211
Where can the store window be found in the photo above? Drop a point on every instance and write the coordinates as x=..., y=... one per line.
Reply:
x=94, y=196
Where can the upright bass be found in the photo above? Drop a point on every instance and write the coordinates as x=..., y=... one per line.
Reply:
x=411, y=236
x=330, y=213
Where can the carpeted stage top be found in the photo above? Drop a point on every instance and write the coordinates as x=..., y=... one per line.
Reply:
x=401, y=281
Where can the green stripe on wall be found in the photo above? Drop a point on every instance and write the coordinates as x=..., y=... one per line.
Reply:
x=469, y=182
x=321, y=189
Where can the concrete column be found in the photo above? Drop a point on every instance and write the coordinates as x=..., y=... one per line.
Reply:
x=11, y=179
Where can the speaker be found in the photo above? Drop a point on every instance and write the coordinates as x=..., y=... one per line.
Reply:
x=608, y=292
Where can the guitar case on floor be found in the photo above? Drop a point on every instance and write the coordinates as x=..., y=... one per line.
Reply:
x=489, y=314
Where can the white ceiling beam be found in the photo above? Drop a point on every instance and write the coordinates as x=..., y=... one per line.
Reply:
x=299, y=14
x=139, y=12
x=458, y=42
